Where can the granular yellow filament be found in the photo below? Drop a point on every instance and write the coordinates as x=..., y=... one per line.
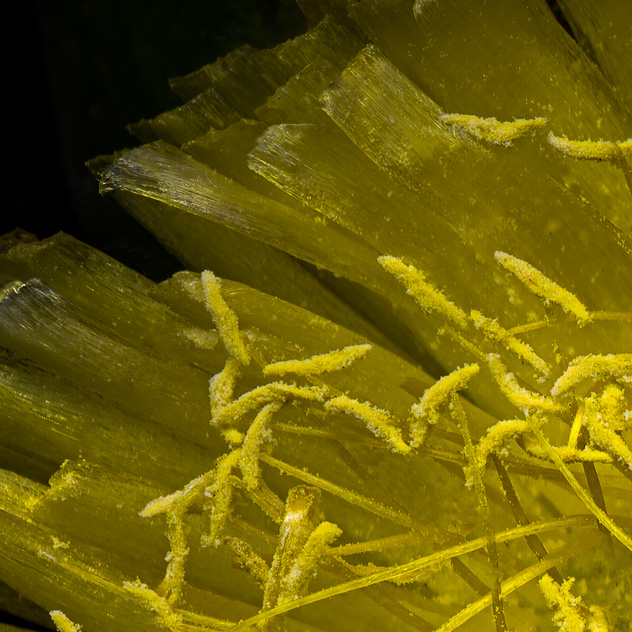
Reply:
x=378, y=421
x=156, y=603
x=63, y=623
x=304, y=568
x=492, y=130
x=591, y=150
x=568, y=616
x=497, y=438
x=425, y=294
x=222, y=385
x=426, y=411
x=221, y=493
x=520, y=397
x=258, y=432
x=249, y=560
x=224, y=317
x=543, y=287
x=494, y=331
x=319, y=364
x=261, y=395
x=618, y=366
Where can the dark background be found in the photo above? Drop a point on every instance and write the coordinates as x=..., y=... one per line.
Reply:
x=76, y=72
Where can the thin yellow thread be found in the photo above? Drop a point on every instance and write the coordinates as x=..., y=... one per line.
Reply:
x=378, y=421
x=544, y=287
x=426, y=411
x=491, y=129
x=63, y=623
x=418, y=565
x=248, y=560
x=318, y=364
x=425, y=294
x=224, y=317
x=221, y=493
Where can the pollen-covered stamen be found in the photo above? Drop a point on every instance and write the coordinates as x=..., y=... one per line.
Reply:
x=296, y=527
x=319, y=364
x=591, y=150
x=224, y=317
x=605, y=418
x=428, y=297
x=257, y=434
x=426, y=412
x=296, y=581
x=221, y=495
x=170, y=619
x=222, y=386
x=378, y=421
x=544, y=287
x=520, y=397
x=590, y=367
x=494, y=331
x=498, y=437
x=63, y=623
x=248, y=559
x=492, y=130
x=261, y=395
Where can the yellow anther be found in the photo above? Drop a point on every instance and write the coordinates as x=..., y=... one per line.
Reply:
x=221, y=494
x=224, y=317
x=426, y=411
x=571, y=455
x=156, y=603
x=261, y=395
x=295, y=582
x=425, y=294
x=222, y=385
x=319, y=364
x=258, y=432
x=63, y=623
x=497, y=438
x=543, y=287
x=568, y=615
x=378, y=421
x=494, y=331
x=604, y=418
x=518, y=396
x=582, y=368
x=591, y=150
x=491, y=129
x=249, y=560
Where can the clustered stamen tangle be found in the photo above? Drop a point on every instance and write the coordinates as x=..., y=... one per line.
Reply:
x=589, y=395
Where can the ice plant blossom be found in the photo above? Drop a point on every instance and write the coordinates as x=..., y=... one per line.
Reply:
x=393, y=388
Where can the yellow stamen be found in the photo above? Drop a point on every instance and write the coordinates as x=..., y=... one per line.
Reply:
x=427, y=296
x=592, y=367
x=378, y=421
x=63, y=623
x=543, y=287
x=491, y=129
x=224, y=317
x=319, y=364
